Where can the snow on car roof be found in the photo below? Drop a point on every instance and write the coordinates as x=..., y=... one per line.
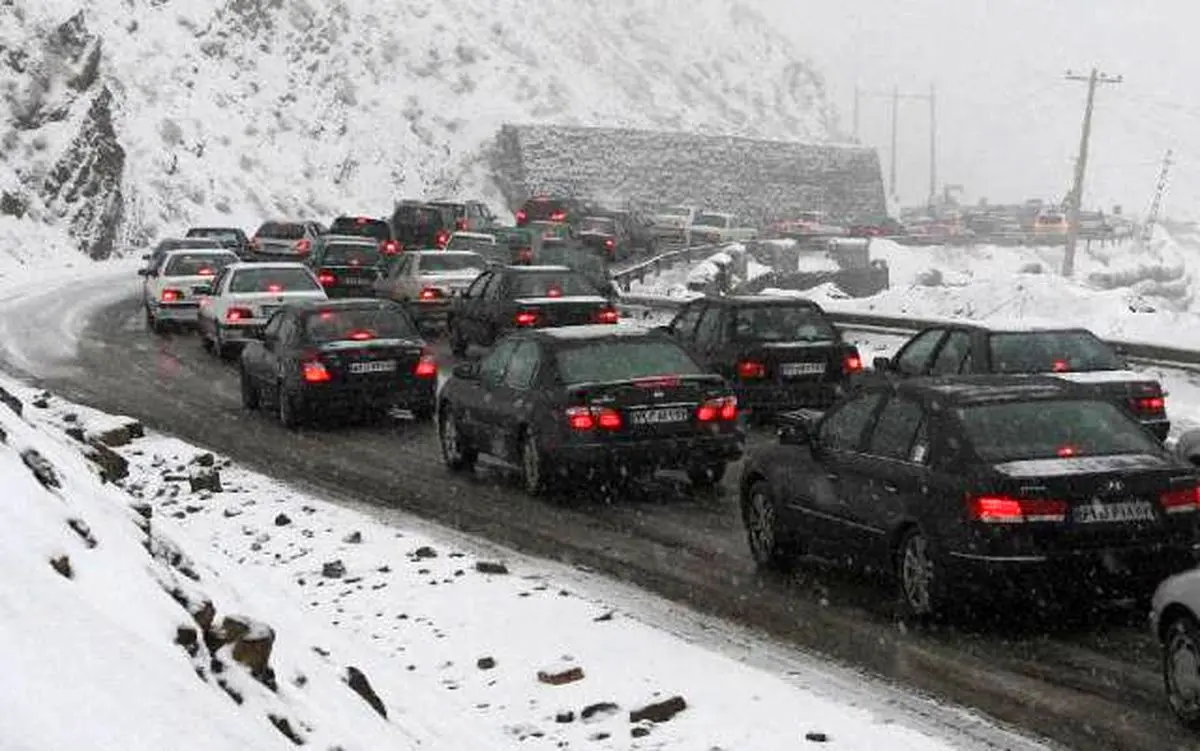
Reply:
x=540, y=268
x=560, y=298
x=435, y=252
x=206, y=251
x=266, y=265
x=594, y=331
x=475, y=236
x=350, y=240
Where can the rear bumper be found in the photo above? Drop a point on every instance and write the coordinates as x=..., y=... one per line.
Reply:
x=241, y=333
x=657, y=453
x=414, y=394
x=772, y=398
x=339, y=291
x=181, y=313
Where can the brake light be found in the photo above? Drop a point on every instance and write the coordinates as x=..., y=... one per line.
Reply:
x=314, y=371
x=326, y=278
x=1002, y=509
x=584, y=419
x=238, y=314
x=1060, y=366
x=390, y=248
x=751, y=369
x=610, y=243
x=525, y=255
x=441, y=239
x=426, y=366
x=361, y=335
x=274, y=287
x=1180, y=500
x=460, y=223
x=607, y=315
x=522, y=217
x=303, y=245
x=852, y=363
x=656, y=382
x=1066, y=451
x=723, y=409
x=554, y=292
x=1150, y=405
x=361, y=220
x=204, y=272
x=431, y=293
x=171, y=295
x=558, y=216
x=526, y=318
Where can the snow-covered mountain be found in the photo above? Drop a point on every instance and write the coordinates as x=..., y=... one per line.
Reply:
x=125, y=119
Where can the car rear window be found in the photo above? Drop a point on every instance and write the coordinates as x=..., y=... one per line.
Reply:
x=361, y=226
x=455, y=262
x=351, y=254
x=623, y=359
x=177, y=243
x=273, y=280
x=458, y=209
x=552, y=284
x=1053, y=429
x=281, y=230
x=418, y=215
x=221, y=233
x=782, y=323
x=543, y=210
x=1051, y=351
x=198, y=264
x=359, y=324
x=710, y=220
x=598, y=224
x=458, y=242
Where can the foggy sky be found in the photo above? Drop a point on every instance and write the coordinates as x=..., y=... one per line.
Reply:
x=1008, y=123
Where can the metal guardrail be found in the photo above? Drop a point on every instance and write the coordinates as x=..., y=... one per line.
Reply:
x=638, y=272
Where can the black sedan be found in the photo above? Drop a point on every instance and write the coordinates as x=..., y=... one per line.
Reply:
x=357, y=355
x=989, y=485
x=348, y=266
x=780, y=353
x=589, y=400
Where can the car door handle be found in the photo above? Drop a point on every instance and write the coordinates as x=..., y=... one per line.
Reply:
x=891, y=487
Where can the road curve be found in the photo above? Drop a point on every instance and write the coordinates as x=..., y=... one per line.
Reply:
x=1089, y=685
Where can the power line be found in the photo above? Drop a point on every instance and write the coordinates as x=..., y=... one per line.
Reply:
x=1156, y=204
x=1075, y=197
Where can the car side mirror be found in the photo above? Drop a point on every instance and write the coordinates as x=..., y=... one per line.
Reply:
x=882, y=364
x=468, y=371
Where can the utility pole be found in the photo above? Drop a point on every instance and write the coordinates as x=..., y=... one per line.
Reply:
x=895, y=139
x=1076, y=197
x=895, y=96
x=932, y=143
x=1156, y=204
x=857, y=94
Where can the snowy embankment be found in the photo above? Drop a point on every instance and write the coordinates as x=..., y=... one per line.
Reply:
x=687, y=281
x=163, y=597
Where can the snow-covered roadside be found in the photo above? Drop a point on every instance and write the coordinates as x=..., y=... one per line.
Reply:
x=452, y=634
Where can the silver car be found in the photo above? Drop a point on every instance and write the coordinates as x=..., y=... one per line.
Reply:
x=284, y=240
x=426, y=281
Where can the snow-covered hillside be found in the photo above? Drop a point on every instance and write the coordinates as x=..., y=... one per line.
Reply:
x=162, y=113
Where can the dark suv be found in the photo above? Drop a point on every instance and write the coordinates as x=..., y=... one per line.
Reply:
x=547, y=209
x=417, y=225
x=469, y=216
x=364, y=226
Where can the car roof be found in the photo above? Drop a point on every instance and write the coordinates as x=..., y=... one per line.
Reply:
x=972, y=390
x=594, y=331
x=474, y=236
x=350, y=240
x=266, y=265
x=1029, y=328
x=214, y=228
x=436, y=252
x=307, y=306
x=523, y=269
x=199, y=251
x=758, y=300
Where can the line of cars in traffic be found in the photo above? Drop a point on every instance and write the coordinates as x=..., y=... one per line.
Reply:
x=976, y=463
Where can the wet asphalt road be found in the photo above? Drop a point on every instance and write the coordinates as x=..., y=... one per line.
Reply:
x=1088, y=681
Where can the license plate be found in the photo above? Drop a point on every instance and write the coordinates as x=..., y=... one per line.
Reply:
x=355, y=281
x=375, y=366
x=1129, y=511
x=659, y=416
x=792, y=369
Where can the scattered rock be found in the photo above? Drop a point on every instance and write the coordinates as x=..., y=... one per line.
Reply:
x=193, y=509
x=70, y=417
x=659, y=711
x=204, y=460
x=12, y=401
x=333, y=570
x=490, y=567
x=229, y=513
x=608, y=616
x=639, y=731
x=41, y=468
x=144, y=510
x=599, y=711
x=282, y=725
x=282, y=520
x=252, y=642
x=121, y=435
x=112, y=465
x=80, y=527
x=485, y=663
x=205, y=479
x=321, y=651
x=424, y=552
x=203, y=613
x=353, y=538
x=564, y=717
x=816, y=737
x=62, y=564
x=360, y=685
x=41, y=403
x=77, y=433
x=560, y=676
x=188, y=638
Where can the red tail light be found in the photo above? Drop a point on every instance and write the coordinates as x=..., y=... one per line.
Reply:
x=1002, y=509
x=426, y=366
x=610, y=243
x=522, y=217
x=852, y=363
x=749, y=370
x=460, y=224
x=314, y=371
x=171, y=295
x=607, y=315
x=526, y=318
x=431, y=293
x=1180, y=500
x=361, y=220
x=558, y=216
x=1149, y=405
x=204, y=272
x=302, y=246
x=239, y=314
x=326, y=278
x=658, y=382
x=1060, y=366
x=554, y=292
x=390, y=248
x=441, y=239
x=525, y=255
x=723, y=409
x=361, y=335
x=584, y=419
x=274, y=288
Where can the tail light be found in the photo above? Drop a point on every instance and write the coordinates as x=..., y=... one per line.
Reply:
x=205, y=272
x=326, y=278
x=1149, y=405
x=1180, y=500
x=852, y=363
x=526, y=318
x=460, y=224
x=584, y=419
x=171, y=295
x=431, y=293
x=610, y=243
x=558, y=216
x=361, y=220
x=361, y=335
x=554, y=292
x=302, y=246
x=607, y=315
x=1002, y=509
x=522, y=217
x=1060, y=366
x=749, y=370
x=723, y=409
x=314, y=371
x=426, y=366
x=441, y=239
x=390, y=248
x=239, y=314
x=525, y=255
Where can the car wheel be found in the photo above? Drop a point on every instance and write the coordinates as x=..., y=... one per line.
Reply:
x=458, y=455
x=917, y=574
x=535, y=470
x=707, y=476
x=458, y=343
x=1181, y=669
x=219, y=347
x=251, y=398
x=153, y=323
x=287, y=409
x=761, y=517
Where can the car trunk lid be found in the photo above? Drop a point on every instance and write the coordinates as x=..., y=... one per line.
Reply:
x=657, y=406
x=574, y=310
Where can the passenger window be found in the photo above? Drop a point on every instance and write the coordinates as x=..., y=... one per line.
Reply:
x=523, y=366
x=914, y=358
x=684, y=324
x=953, y=354
x=895, y=430
x=494, y=363
x=710, y=330
x=477, y=286
x=842, y=429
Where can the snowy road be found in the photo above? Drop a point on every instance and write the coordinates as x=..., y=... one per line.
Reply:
x=1089, y=683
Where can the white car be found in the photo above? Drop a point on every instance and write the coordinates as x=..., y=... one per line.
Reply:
x=712, y=227
x=425, y=281
x=1175, y=622
x=481, y=243
x=170, y=284
x=244, y=295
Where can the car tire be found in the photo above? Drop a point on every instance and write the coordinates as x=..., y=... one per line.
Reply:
x=219, y=347
x=251, y=397
x=287, y=408
x=919, y=577
x=458, y=343
x=1181, y=668
x=458, y=455
x=760, y=514
x=156, y=326
x=535, y=469
x=706, y=476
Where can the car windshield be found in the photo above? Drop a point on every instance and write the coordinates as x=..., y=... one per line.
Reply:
x=1051, y=351
x=711, y=220
x=598, y=224
x=273, y=280
x=281, y=230
x=361, y=226
x=1047, y=429
x=552, y=284
x=782, y=323
x=439, y=263
x=623, y=359
x=458, y=242
x=359, y=324
x=351, y=254
x=220, y=233
x=198, y=264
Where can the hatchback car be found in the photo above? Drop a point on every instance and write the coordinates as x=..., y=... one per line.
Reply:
x=284, y=240
x=348, y=266
x=172, y=288
x=243, y=296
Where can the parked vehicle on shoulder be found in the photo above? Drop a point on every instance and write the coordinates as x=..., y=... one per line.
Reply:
x=284, y=240
x=712, y=227
x=172, y=287
x=377, y=230
x=235, y=308
x=469, y=216
x=502, y=299
x=348, y=266
x=638, y=228
x=416, y=225
x=601, y=402
x=353, y=356
x=427, y=281
x=232, y=237
x=976, y=486
x=1075, y=355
